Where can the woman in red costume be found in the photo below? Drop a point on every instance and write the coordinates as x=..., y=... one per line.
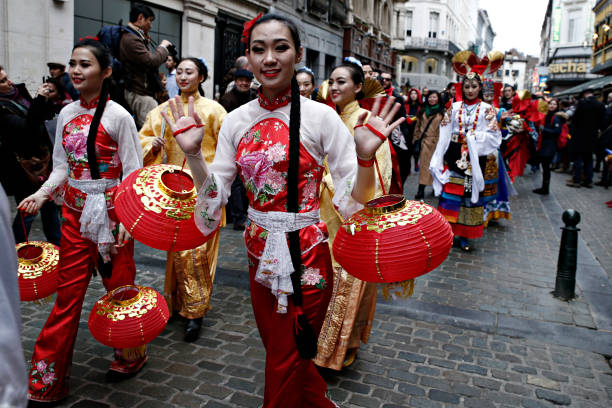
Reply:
x=277, y=144
x=96, y=142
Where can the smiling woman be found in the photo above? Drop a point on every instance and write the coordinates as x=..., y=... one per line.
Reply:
x=277, y=144
x=96, y=143
x=189, y=274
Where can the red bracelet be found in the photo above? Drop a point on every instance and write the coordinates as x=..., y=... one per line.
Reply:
x=178, y=132
x=376, y=132
x=365, y=163
x=357, y=126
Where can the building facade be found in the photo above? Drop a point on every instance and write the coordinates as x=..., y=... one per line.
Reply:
x=368, y=32
x=602, y=38
x=321, y=31
x=566, y=44
x=35, y=32
x=428, y=33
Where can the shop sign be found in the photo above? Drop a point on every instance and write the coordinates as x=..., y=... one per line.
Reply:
x=568, y=67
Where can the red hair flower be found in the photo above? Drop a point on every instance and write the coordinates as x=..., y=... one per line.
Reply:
x=89, y=37
x=246, y=31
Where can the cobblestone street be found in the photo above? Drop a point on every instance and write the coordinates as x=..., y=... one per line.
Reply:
x=482, y=330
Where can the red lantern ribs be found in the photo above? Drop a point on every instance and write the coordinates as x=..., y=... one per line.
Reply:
x=129, y=316
x=393, y=240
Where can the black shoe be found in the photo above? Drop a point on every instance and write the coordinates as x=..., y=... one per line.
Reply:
x=587, y=185
x=239, y=227
x=541, y=191
x=420, y=193
x=41, y=404
x=192, y=331
x=113, y=376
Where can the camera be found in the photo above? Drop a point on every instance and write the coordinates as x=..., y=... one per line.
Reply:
x=172, y=50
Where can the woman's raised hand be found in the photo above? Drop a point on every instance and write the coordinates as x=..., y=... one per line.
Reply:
x=187, y=130
x=369, y=136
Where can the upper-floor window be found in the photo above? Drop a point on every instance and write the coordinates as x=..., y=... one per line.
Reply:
x=434, y=24
x=573, y=26
x=409, y=24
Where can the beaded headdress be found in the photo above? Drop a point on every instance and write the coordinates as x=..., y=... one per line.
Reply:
x=467, y=64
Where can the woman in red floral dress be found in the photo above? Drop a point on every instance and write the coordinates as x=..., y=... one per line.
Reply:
x=96, y=142
x=255, y=141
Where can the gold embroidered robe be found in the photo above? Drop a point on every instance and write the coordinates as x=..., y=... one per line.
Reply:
x=189, y=274
x=351, y=309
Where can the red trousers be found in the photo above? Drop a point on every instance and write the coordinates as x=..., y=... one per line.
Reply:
x=52, y=358
x=292, y=381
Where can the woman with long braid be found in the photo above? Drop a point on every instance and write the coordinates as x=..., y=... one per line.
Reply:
x=95, y=144
x=277, y=144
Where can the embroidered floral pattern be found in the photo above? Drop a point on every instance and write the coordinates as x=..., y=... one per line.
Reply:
x=276, y=152
x=44, y=373
x=260, y=178
x=212, y=189
x=312, y=277
x=75, y=144
x=309, y=194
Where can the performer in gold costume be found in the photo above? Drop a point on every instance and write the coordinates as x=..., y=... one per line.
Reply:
x=351, y=309
x=189, y=274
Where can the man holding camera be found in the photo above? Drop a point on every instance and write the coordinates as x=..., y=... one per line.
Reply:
x=140, y=64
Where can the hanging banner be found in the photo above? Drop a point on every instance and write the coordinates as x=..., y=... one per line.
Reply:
x=556, y=24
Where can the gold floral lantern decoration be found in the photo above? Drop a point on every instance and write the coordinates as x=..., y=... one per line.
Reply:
x=37, y=271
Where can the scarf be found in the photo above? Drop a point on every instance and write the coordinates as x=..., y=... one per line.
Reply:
x=429, y=109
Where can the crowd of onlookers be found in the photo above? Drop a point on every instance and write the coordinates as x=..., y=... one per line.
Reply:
x=573, y=135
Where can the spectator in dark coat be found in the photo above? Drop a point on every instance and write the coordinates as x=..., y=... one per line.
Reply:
x=25, y=155
x=140, y=64
x=58, y=70
x=586, y=122
x=238, y=95
x=401, y=138
x=551, y=130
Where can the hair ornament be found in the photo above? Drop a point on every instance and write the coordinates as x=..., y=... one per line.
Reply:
x=203, y=61
x=246, y=31
x=306, y=69
x=467, y=64
x=89, y=37
x=353, y=60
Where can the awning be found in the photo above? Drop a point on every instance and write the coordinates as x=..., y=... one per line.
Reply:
x=592, y=84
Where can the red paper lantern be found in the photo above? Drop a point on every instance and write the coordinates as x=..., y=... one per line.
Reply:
x=128, y=316
x=37, y=269
x=393, y=240
x=156, y=205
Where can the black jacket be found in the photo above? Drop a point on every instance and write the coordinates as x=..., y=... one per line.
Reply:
x=587, y=120
x=234, y=99
x=23, y=134
x=550, y=133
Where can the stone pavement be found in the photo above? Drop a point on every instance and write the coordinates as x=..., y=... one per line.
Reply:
x=480, y=331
